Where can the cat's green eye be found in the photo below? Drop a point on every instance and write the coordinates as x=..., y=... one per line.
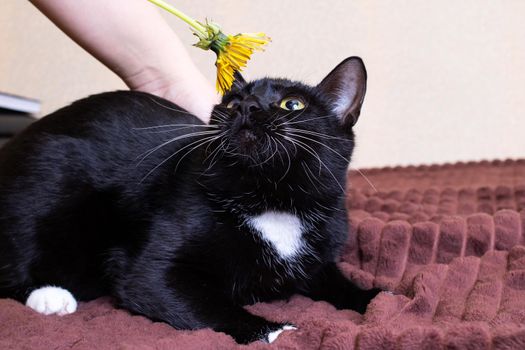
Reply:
x=292, y=103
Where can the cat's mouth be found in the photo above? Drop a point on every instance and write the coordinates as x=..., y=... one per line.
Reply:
x=246, y=136
x=247, y=140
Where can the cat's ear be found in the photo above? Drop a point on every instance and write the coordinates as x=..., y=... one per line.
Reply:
x=239, y=81
x=345, y=88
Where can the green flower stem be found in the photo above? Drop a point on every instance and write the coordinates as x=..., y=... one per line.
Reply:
x=193, y=23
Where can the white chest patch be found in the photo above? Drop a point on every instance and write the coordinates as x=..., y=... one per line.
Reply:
x=282, y=230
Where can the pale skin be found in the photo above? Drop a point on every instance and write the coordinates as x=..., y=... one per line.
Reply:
x=132, y=39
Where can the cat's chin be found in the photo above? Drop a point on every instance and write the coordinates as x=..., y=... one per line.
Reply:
x=247, y=146
x=247, y=140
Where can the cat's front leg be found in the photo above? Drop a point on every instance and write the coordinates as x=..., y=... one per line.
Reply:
x=330, y=285
x=188, y=301
x=246, y=328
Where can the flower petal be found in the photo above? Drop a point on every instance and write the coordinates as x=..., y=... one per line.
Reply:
x=234, y=55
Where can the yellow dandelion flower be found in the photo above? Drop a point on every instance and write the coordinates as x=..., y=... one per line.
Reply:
x=233, y=51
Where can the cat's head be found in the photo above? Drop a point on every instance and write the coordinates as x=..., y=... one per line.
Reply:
x=281, y=131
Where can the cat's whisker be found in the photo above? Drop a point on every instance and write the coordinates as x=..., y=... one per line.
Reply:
x=315, y=133
x=221, y=134
x=293, y=141
x=176, y=125
x=271, y=142
x=289, y=161
x=241, y=155
x=320, y=143
x=267, y=151
x=209, y=139
x=170, y=108
x=220, y=114
x=223, y=113
x=173, y=127
x=215, y=152
x=314, y=153
x=274, y=140
x=173, y=155
x=146, y=154
x=272, y=121
x=216, y=113
x=298, y=115
x=271, y=139
x=273, y=116
x=173, y=130
x=366, y=179
x=307, y=120
x=310, y=175
x=219, y=120
x=331, y=149
x=268, y=144
x=216, y=118
x=282, y=117
x=337, y=153
x=154, y=149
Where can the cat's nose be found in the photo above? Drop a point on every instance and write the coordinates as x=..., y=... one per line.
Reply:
x=249, y=106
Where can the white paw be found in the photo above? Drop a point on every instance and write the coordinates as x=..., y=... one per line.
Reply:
x=52, y=300
x=272, y=336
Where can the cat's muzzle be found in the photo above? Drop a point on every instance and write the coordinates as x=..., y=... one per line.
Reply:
x=247, y=136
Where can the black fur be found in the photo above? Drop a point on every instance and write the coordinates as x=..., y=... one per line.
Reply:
x=91, y=203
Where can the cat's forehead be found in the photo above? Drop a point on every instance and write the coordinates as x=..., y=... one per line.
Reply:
x=271, y=89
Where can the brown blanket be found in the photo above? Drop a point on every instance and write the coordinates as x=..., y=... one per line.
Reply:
x=448, y=239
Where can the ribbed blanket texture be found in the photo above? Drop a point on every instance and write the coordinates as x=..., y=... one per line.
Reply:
x=448, y=240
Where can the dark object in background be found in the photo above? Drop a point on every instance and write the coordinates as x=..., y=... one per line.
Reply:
x=19, y=103
x=15, y=114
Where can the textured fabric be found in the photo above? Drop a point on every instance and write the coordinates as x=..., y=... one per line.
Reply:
x=447, y=239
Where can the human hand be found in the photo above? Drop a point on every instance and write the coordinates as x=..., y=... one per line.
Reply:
x=191, y=92
x=133, y=40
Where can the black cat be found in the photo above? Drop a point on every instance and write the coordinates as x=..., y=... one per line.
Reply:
x=125, y=194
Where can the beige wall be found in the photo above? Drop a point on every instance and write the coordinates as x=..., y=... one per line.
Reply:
x=446, y=78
